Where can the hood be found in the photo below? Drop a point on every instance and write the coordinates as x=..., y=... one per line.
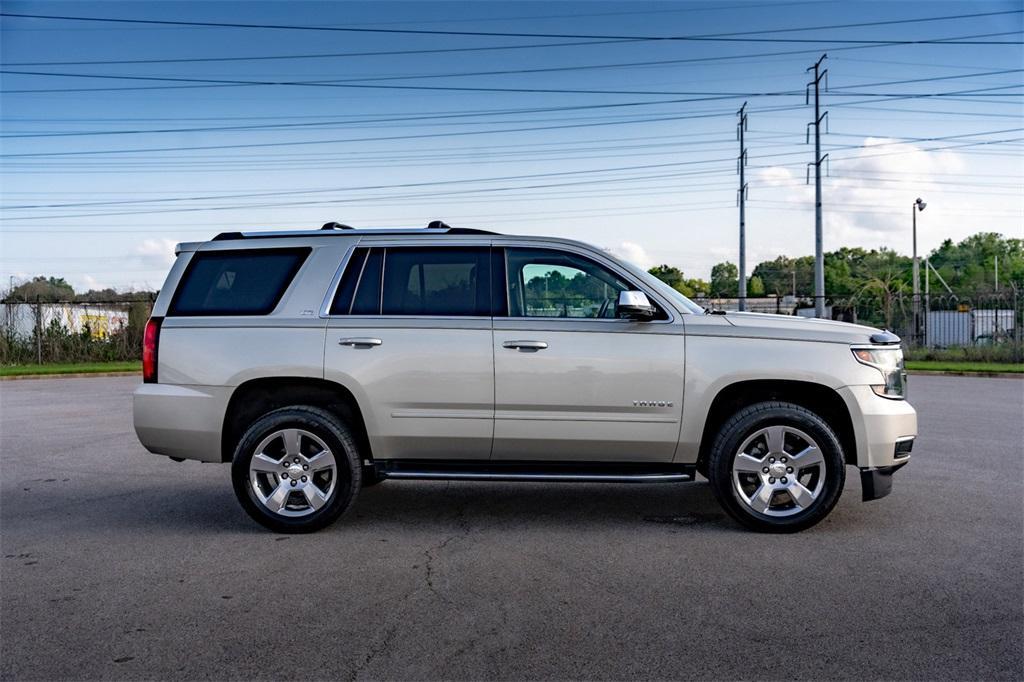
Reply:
x=763, y=325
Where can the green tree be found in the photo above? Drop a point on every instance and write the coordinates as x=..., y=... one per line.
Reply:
x=45, y=289
x=969, y=266
x=755, y=287
x=778, y=275
x=668, y=274
x=675, y=278
x=725, y=279
x=847, y=270
x=696, y=287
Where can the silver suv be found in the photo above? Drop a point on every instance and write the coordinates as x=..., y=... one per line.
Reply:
x=319, y=362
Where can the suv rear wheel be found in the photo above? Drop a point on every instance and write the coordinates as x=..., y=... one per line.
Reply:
x=777, y=467
x=296, y=469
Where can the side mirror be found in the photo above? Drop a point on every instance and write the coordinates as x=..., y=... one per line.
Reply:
x=634, y=305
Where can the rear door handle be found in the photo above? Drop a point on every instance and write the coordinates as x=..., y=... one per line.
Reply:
x=525, y=346
x=360, y=342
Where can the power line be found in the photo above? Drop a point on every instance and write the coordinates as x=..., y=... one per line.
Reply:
x=349, y=140
x=390, y=197
x=375, y=82
x=345, y=83
x=870, y=106
x=322, y=55
x=496, y=34
x=407, y=185
x=419, y=136
x=463, y=19
x=249, y=162
x=489, y=48
x=500, y=112
x=931, y=79
x=331, y=122
x=503, y=189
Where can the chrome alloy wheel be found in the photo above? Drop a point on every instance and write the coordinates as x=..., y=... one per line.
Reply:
x=778, y=471
x=293, y=472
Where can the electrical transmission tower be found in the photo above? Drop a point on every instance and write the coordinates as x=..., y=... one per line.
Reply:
x=819, y=254
x=741, y=163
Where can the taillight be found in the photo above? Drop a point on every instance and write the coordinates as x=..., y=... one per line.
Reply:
x=150, y=345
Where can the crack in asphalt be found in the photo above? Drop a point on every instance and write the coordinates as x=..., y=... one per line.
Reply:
x=431, y=555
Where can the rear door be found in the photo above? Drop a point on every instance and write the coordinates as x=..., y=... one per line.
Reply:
x=572, y=381
x=409, y=332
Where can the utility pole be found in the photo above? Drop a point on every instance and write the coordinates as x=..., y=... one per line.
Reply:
x=917, y=206
x=741, y=163
x=927, y=301
x=819, y=254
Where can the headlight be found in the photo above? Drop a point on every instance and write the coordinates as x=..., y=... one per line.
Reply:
x=888, y=361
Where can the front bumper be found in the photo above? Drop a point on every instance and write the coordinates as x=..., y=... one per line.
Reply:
x=879, y=425
x=885, y=431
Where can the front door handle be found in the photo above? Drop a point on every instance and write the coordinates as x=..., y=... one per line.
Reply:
x=525, y=346
x=360, y=342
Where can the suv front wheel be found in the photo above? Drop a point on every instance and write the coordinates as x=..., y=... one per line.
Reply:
x=296, y=469
x=777, y=467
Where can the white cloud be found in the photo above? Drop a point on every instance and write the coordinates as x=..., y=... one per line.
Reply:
x=91, y=282
x=633, y=253
x=867, y=198
x=157, y=253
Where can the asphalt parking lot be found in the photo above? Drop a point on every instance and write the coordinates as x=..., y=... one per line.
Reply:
x=120, y=564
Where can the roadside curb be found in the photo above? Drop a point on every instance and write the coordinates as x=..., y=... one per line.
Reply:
x=957, y=373
x=69, y=375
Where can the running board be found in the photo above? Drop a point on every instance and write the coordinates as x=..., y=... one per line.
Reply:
x=413, y=470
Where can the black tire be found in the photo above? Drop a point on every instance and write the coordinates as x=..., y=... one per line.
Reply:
x=328, y=428
x=747, y=422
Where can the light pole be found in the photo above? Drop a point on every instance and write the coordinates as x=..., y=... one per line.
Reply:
x=918, y=205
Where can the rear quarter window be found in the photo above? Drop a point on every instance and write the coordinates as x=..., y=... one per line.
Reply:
x=249, y=282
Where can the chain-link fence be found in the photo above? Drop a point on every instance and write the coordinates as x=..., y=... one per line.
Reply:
x=926, y=321
x=72, y=331
x=106, y=331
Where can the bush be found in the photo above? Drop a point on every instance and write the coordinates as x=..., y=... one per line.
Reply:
x=21, y=343
x=1002, y=352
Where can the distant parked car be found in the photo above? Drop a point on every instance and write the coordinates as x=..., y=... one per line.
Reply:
x=320, y=362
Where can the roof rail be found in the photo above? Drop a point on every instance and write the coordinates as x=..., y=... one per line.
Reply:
x=436, y=227
x=441, y=225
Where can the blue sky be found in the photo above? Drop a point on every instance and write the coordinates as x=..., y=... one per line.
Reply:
x=624, y=142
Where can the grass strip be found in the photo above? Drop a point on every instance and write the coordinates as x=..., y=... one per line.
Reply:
x=70, y=368
x=981, y=367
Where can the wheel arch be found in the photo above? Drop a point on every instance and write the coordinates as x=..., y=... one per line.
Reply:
x=256, y=397
x=818, y=398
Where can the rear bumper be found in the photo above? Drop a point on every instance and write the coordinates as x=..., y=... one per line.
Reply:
x=180, y=421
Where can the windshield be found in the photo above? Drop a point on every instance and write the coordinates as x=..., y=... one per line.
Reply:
x=677, y=298
x=662, y=288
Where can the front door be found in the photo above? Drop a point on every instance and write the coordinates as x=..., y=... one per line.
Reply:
x=410, y=334
x=572, y=381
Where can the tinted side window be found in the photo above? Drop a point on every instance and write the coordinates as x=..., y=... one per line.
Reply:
x=437, y=281
x=247, y=282
x=367, y=299
x=342, y=303
x=549, y=283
